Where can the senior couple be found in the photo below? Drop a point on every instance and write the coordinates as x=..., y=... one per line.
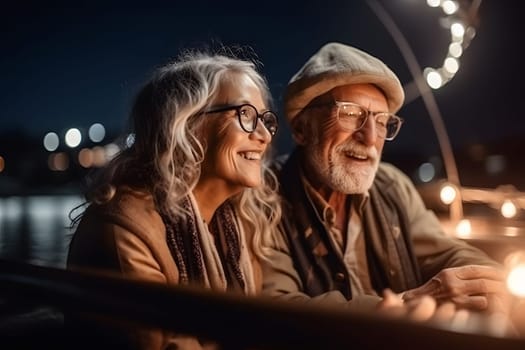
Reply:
x=198, y=200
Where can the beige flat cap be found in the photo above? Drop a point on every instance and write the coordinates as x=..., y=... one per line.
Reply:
x=336, y=64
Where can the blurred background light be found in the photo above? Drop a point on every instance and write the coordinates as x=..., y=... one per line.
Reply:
x=455, y=49
x=458, y=30
x=73, y=137
x=447, y=194
x=433, y=3
x=111, y=151
x=516, y=280
x=99, y=156
x=449, y=7
x=85, y=158
x=464, y=229
x=434, y=79
x=451, y=65
x=58, y=161
x=51, y=141
x=130, y=140
x=426, y=172
x=97, y=132
x=508, y=209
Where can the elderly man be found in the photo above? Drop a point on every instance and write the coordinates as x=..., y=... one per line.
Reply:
x=354, y=226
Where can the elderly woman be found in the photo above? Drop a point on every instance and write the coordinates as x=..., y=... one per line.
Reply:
x=192, y=201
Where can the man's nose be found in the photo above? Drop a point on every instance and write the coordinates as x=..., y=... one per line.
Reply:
x=367, y=134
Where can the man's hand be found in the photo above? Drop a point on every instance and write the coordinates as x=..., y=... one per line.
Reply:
x=420, y=309
x=473, y=287
x=444, y=315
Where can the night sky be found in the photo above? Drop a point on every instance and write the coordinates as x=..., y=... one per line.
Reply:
x=71, y=64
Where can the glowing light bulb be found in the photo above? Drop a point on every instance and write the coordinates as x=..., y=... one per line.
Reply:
x=447, y=194
x=508, y=209
x=516, y=281
x=464, y=229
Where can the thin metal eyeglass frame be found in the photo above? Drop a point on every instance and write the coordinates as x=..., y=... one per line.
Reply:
x=400, y=120
x=237, y=109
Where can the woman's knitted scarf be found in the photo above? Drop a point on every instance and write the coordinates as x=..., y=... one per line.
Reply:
x=185, y=245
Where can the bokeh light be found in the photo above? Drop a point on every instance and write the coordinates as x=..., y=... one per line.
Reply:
x=516, y=280
x=508, y=209
x=434, y=79
x=85, y=158
x=97, y=132
x=426, y=172
x=58, y=161
x=464, y=229
x=51, y=141
x=447, y=194
x=73, y=137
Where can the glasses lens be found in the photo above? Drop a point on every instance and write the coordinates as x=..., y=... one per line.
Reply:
x=269, y=119
x=248, y=117
x=351, y=116
x=387, y=125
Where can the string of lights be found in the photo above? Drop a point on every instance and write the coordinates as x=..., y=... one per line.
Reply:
x=461, y=19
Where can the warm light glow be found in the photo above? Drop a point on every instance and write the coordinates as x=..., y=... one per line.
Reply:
x=73, y=137
x=511, y=231
x=58, y=161
x=508, y=209
x=516, y=281
x=451, y=65
x=97, y=132
x=85, y=158
x=455, y=49
x=111, y=150
x=51, y=141
x=449, y=7
x=99, y=156
x=461, y=32
x=2, y=164
x=434, y=79
x=457, y=29
x=464, y=229
x=447, y=194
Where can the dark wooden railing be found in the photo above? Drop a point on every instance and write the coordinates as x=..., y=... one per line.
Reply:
x=235, y=321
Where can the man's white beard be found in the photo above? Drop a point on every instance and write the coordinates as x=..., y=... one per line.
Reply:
x=339, y=175
x=347, y=179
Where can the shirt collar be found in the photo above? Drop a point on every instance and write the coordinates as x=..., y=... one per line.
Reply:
x=321, y=206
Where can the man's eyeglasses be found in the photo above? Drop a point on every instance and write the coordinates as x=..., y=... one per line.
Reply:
x=353, y=117
x=248, y=117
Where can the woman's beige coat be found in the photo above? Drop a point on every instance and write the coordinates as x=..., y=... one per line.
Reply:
x=128, y=236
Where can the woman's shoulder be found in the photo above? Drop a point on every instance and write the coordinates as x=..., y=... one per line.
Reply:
x=131, y=208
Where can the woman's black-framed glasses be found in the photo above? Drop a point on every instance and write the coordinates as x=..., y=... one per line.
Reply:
x=248, y=117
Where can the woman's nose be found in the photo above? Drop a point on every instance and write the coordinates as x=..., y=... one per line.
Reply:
x=261, y=133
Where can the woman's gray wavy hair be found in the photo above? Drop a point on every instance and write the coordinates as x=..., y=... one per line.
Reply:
x=165, y=158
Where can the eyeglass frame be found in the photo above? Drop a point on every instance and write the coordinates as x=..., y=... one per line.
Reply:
x=339, y=104
x=238, y=108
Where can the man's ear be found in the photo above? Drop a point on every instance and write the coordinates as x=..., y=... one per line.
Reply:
x=299, y=132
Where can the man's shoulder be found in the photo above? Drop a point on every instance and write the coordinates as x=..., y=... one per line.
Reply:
x=388, y=174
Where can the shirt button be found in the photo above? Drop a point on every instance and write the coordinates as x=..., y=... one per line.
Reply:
x=392, y=272
x=339, y=277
